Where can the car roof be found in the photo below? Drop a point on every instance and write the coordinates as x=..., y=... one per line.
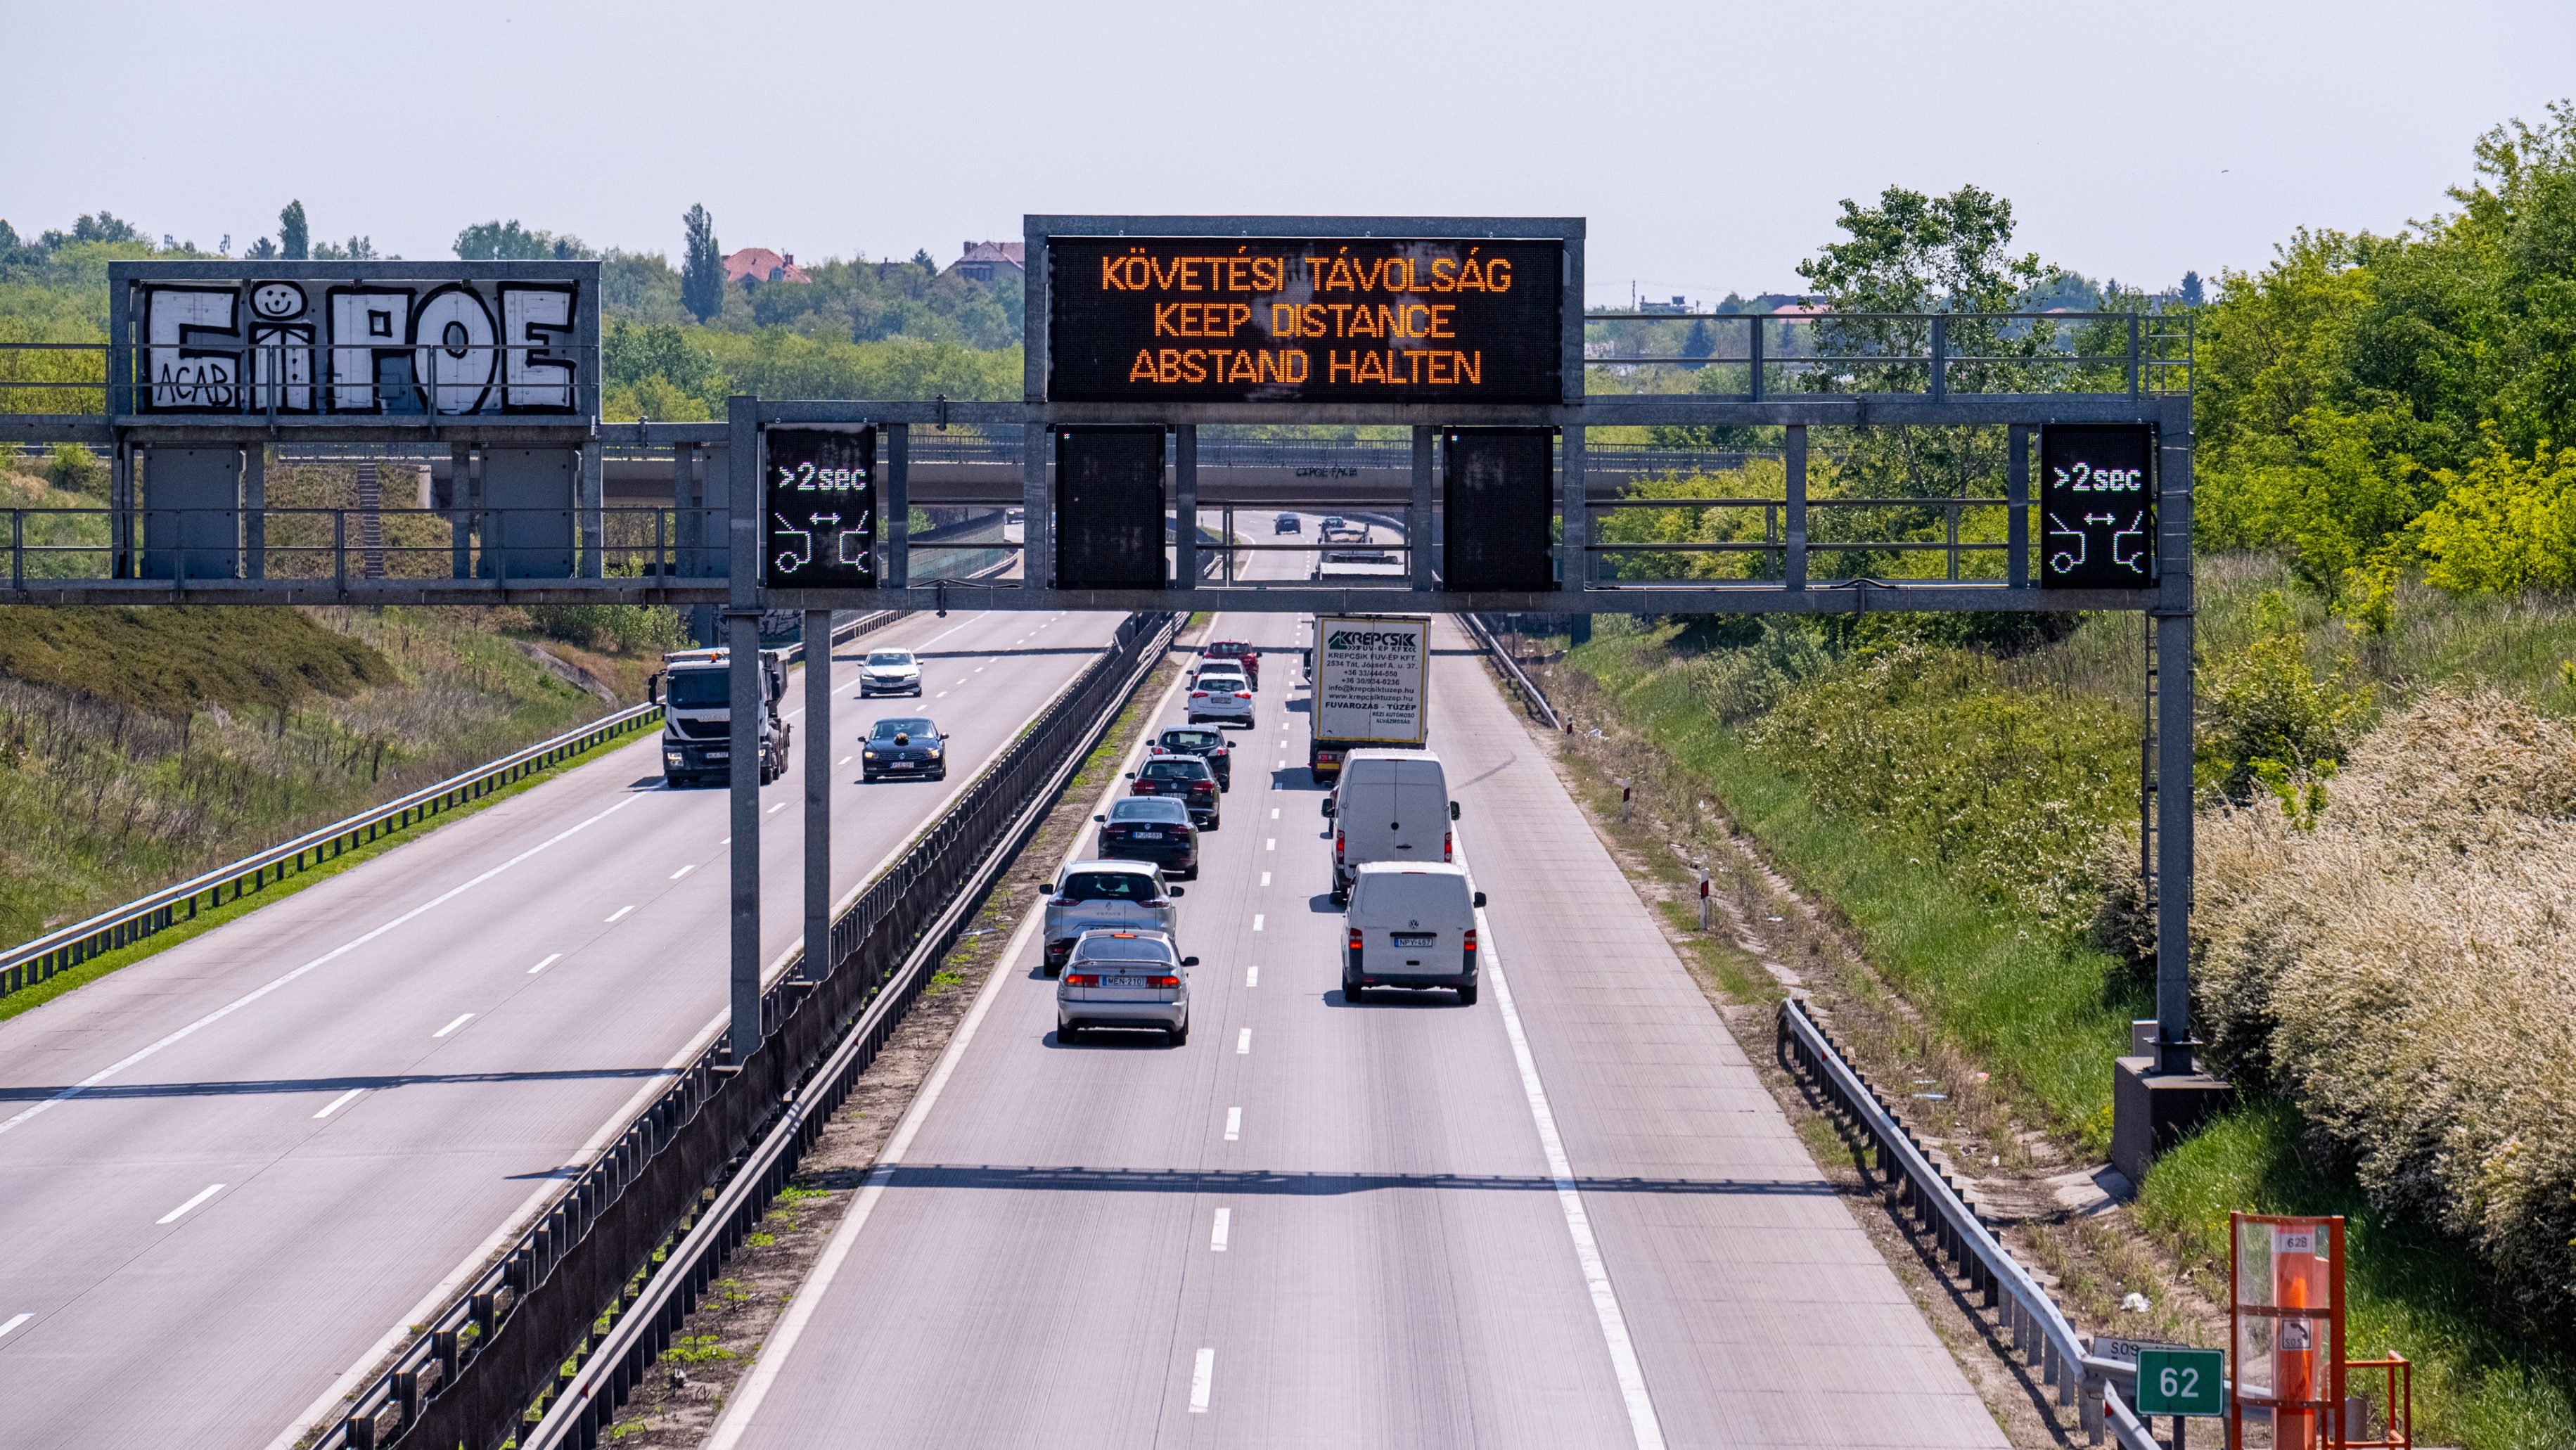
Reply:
x=1410, y=868
x=1146, y=807
x=1137, y=868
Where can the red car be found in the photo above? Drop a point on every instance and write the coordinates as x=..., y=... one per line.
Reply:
x=1184, y=778
x=1238, y=651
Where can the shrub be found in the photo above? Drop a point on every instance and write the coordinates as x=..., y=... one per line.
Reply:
x=74, y=469
x=2265, y=714
x=635, y=629
x=2405, y=973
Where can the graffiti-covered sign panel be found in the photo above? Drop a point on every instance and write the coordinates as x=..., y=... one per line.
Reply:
x=364, y=339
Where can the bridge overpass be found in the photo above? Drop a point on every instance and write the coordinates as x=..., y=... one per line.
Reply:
x=1571, y=1215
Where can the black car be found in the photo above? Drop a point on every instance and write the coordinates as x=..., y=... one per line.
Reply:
x=1183, y=778
x=904, y=746
x=1151, y=828
x=1207, y=745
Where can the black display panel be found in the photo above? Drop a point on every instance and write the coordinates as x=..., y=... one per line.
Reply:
x=1281, y=319
x=819, y=509
x=1109, y=508
x=1500, y=511
x=2097, y=506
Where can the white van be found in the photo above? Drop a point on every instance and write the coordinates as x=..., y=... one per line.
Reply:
x=1389, y=805
x=1410, y=926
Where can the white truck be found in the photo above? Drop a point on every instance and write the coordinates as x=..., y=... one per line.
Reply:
x=1372, y=686
x=696, y=691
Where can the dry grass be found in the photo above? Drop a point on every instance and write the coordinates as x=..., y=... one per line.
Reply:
x=2404, y=971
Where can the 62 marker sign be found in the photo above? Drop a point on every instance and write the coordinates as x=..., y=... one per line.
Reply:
x=819, y=509
x=2097, y=506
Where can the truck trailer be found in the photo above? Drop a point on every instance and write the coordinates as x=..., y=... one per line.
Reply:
x=1371, y=677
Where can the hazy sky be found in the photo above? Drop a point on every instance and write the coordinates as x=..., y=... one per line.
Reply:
x=1708, y=144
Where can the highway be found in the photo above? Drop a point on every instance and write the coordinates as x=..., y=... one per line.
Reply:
x=1569, y=1216
x=232, y=1173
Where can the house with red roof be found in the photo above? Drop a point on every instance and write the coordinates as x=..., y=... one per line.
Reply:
x=754, y=265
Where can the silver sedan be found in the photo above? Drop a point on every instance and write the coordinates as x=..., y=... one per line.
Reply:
x=1124, y=979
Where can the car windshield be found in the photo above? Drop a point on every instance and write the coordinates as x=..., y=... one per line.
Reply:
x=889, y=729
x=890, y=657
x=1230, y=649
x=1149, y=809
x=1175, y=770
x=1192, y=740
x=698, y=690
x=1106, y=948
x=1109, y=886
x=1227, y=671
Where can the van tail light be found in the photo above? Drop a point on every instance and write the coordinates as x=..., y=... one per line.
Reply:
x=1448, y=844
x=1471, y=941
x=1355, y=939
x=1337, y=845
x=1082, y=979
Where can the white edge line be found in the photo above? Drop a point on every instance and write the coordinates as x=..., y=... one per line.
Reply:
x=174, y=1215
x=1643, y=1425
x=14, y=1321
x=781, y=1341
x=550, y=960
x=244, y=1000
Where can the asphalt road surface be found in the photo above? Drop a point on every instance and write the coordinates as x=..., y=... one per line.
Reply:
x=294, y=1135
x=1568, y=1216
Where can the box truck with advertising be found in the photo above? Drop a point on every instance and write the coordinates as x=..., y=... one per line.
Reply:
x=1372, y=686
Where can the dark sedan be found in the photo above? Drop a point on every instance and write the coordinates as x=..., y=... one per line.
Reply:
x=1183, y=778
x=1207, y=745
x=1151, y=828
x=904, y=747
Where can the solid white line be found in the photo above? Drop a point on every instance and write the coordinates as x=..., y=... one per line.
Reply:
x=461, y=1020
x=244, y=1000
x=685, y=870
x=14, y=1321
x=551, y=959
x=1256, y=921
x=1243, y=1042
x=342, y=1101
x=1252, y=976
x=781, y=1341
x=1202, y=1375
x=621, y=911
x=203, y=1194
x=1233, y=1124
x=1642, y=1423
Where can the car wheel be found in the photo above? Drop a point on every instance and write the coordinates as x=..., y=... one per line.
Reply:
x=1180, y=1036
x=1215, y=821
x=1191, y=874
x=1341, y=897
x=1350, y=992
x=1467, y=995
x=1066, y=1033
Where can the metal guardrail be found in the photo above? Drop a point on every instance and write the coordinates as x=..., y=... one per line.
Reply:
x=696, y=1168
x=1925, y=1192
x=40, y=960
x=1530, y=693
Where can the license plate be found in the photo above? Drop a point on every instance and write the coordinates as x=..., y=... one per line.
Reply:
x=1416, y=938
x=899, y=765
x=716, y=755
x=1123, y=983
x=1149, y=835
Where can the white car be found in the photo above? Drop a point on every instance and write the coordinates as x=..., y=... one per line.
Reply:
x=1221, y=692
x=890, y=672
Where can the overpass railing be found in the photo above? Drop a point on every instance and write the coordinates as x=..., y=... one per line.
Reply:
x=571, y=1315
x=2026, y=1313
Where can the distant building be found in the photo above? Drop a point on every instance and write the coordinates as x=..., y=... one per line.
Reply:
x=1677, y=305
x=1799, y=311
x=990, y=262
x=754, y=265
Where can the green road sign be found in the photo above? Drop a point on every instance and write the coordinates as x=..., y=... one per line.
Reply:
x=2182, y=1382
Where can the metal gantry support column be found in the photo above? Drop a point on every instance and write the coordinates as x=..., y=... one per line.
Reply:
x=460, y=510
x=1794, y=563
x=254, y=530
x=818, y=794
x=898, y=497
x=594, y=512
x=120, y=503
x=742, y=640
x=1417, y=516
x=2173, y=625
x=2017, y=508
x=1574, y=567
x=1185, y=506
x=1037, y=560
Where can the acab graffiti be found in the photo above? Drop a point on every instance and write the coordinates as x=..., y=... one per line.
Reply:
x=449, y=349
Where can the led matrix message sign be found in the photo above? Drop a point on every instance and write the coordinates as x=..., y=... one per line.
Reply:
x=819, y=504
x=2097, y=506
x=1273, y=319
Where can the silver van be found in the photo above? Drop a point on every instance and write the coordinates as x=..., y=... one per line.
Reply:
x=1389, y=805
x=1410, y=926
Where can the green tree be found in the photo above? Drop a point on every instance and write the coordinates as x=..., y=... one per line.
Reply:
x=499, y=241
x=294, y=237
x=701, y=266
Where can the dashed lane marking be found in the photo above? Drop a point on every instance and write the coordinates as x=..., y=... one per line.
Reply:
x=202, y=1195
x=461, y=1019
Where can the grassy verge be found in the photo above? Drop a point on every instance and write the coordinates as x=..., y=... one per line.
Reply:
x=2051, y=1012
x=231, y=911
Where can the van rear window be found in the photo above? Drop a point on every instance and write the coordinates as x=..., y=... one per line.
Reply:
x=1109, y=886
